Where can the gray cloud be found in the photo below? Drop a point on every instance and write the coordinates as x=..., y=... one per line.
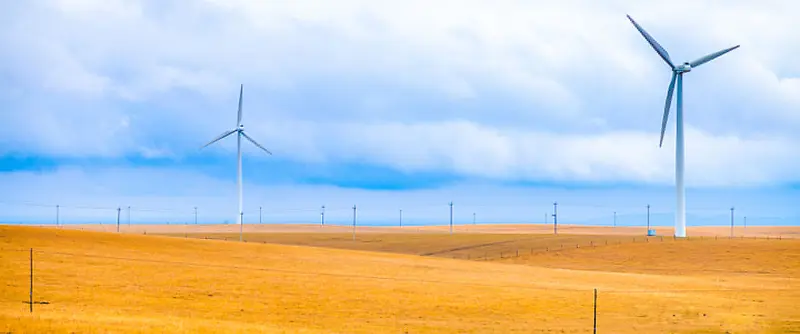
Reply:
x=517, y=90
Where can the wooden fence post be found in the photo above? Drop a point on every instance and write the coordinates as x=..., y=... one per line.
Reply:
x=31, y=291
x=594, y=326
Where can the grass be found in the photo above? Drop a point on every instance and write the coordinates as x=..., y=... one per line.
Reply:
x=103, y=282
x=708, y=256
x=460, y=246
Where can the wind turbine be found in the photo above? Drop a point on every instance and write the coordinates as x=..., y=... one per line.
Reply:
x=239, y=130
x=677, y=75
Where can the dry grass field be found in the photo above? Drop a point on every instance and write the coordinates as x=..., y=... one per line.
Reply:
x=106, y=282
x=707, y=231
x=474, y=246
x=479, y=242
x=722, y=257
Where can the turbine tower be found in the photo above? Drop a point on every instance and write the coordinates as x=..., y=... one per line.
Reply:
x=239, y=130
x=677, y=76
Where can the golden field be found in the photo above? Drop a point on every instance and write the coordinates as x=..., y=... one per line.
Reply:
x=474, y=246
x=324, y=282
x=707, y=231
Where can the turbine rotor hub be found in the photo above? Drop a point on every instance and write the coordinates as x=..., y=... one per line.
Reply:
x=686, y=67
x=241, y=127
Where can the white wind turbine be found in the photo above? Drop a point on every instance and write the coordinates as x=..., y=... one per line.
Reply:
x=677, y=75
x=239, y=130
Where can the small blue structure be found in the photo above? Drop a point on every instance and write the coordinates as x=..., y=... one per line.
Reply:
x=651, y=233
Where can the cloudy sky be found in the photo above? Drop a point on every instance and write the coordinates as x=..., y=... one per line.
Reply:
x=501, y=107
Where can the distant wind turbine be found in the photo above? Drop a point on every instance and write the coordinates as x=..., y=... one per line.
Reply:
x=677, y=75
x=239, y=130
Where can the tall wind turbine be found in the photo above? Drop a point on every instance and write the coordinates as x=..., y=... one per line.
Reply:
x=677, y=75
x=239, y=130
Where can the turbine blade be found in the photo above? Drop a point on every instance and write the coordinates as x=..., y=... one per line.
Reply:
x=256, y=144
x=666, y=107
x=661, y=52
x=223, y=135
x=712, y=56
x=239, y=118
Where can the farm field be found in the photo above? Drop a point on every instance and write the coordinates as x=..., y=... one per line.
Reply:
x=491, y=243
x=308, y=283
x=709, y=256
x=475, y=246
x=564, y=229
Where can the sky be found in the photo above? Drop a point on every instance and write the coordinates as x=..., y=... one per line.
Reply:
x=500, y=107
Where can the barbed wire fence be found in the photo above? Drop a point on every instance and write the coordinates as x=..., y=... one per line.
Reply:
x=97, y=266
x=50, y=214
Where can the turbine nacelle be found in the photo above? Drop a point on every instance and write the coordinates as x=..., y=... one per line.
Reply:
x=241, y=127
x=685, y=68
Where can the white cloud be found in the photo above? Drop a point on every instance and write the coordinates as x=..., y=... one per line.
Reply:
x=474, y=150
x=522, y=90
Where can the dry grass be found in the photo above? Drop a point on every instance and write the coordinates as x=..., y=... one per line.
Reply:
x=695, y=256
x=97, y=282
x=477, y=246
x=694, y=231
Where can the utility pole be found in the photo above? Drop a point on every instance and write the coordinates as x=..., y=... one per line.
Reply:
x=615, y=219
x=195, y=215
x=732, y=222
x=118, y=210
x=354, y=222
x=31, y=290
x=322, y=214
x=555, y=217
x=451, y=217
x=57, y=215
x=259, y=215
x=648, y=218
x=241, y=225
x=401, y=217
